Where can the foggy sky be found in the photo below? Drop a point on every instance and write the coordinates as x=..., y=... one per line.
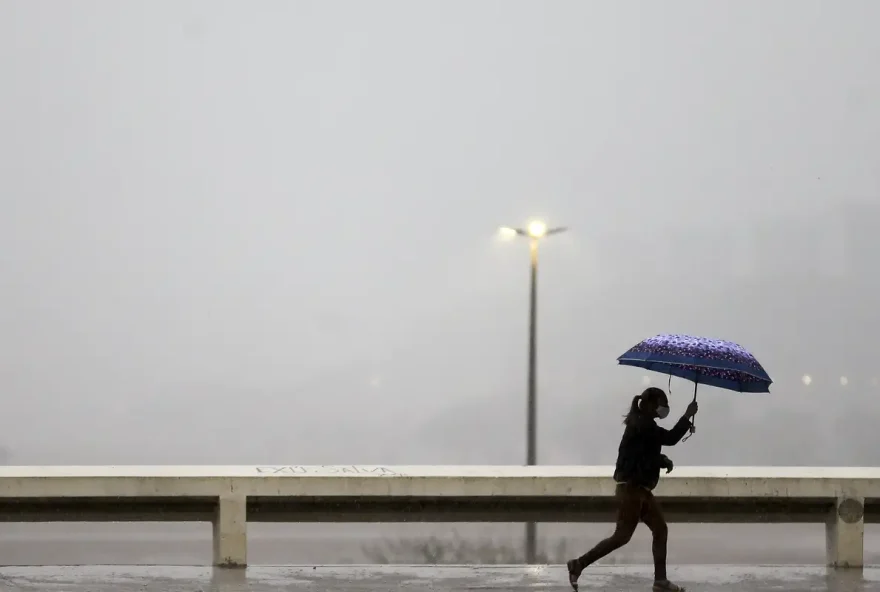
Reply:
x=248, y=232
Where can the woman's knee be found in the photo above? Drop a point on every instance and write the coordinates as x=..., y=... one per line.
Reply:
x=660, y=530
x=622, y=535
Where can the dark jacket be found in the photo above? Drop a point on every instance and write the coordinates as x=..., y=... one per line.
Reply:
x=639, y=459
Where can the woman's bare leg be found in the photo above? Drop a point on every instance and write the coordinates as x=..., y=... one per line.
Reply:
x=652, y=516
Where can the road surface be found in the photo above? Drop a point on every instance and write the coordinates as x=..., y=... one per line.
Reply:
x=434, y=579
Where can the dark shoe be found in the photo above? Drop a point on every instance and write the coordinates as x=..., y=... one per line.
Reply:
x=574, y=572
x=666, y=586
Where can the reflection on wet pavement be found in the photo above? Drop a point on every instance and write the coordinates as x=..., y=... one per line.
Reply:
x=440, y=579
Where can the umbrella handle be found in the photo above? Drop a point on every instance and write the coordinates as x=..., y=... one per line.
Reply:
x=693, y=427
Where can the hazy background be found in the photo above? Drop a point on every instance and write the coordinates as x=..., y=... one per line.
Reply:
x=263, y=232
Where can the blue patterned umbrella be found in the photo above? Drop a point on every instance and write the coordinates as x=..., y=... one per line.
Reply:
x=713, y=362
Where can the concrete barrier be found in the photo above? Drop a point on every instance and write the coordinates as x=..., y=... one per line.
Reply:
x=843, y=498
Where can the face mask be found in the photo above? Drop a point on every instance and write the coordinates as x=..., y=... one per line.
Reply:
x=662, y=412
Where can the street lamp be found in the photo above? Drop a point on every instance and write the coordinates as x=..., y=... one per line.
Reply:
x=535, y=231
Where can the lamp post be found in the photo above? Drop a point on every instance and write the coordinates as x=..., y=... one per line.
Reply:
x=535, y=231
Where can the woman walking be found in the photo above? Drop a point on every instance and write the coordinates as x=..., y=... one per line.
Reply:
x=639, y=461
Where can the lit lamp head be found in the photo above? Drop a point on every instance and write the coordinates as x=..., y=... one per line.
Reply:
x=507, y=233
x=537, y=229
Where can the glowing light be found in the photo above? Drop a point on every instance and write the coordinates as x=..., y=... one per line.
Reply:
x=807, y=380
x=506, y=232
x=537, y=229
x=844, y=381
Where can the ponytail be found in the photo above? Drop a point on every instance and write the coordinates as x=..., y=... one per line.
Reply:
x=634, y=410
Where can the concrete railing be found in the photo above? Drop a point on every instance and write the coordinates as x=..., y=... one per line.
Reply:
x=843, y=498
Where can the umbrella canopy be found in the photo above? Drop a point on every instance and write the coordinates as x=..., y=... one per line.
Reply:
x=713, y=362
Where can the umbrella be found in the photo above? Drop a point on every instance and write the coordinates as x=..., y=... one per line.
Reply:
x=712, y=362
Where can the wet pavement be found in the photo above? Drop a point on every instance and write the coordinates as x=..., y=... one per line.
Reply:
x=440, y=579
